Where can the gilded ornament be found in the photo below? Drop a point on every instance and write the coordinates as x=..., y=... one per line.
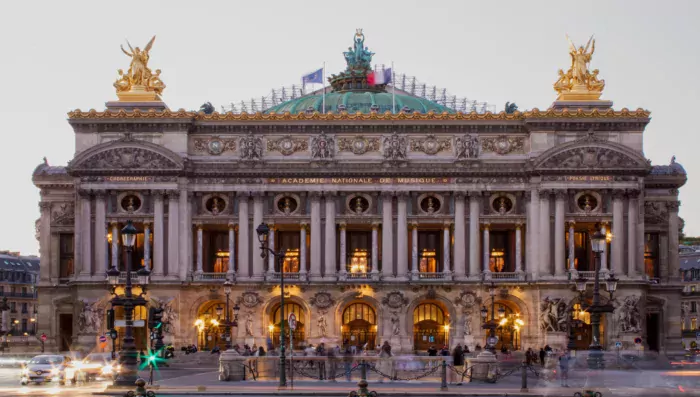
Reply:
x=287, y=145
x=503, y=144
x=430, y=145
x=394, y=146
x=214, y=145
x=579, y=83
x=467, y=147
x=139, y=83
x=358, y=145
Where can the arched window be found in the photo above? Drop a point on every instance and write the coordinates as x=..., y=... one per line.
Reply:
x=274, y=328
x=430, y=326
x=359, y=311
x=359, y=325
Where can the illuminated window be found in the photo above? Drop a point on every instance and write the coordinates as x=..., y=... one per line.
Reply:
x=359, y=261
x=291, y=261
x=692, y=288
x=428, y=263
x=693, y=323
x=651, y=255
x=580, y=314
x=429, y=250
x=359, y=253
x=497, y=260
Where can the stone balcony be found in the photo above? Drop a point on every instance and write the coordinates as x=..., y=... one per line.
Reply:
x=504, y=276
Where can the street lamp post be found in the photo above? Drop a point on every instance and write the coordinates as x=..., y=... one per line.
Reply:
x=128, y=356
x=491, y=325
x=228, y=323
x=263, y=231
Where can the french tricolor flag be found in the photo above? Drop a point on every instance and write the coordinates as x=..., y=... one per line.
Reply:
x=379, y=77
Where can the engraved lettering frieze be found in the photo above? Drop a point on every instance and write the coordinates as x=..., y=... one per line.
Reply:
x=503, y=145
x=358, y=145
x=214, y=145
x=233, y=181
x=288, y=145
x=430, y=145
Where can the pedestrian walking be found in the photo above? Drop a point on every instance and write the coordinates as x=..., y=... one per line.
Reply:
x=458, y=363
x=347, y=363
x=332, y=363
x=543, y=354
x=564, y=369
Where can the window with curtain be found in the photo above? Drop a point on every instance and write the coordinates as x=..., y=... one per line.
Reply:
x=65, y=255
x=359, y=252
x=651, y=255
x=429, y=251
x=502, y=251
x=290, y=242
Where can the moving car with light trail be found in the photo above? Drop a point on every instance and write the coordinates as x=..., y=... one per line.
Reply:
x=96, y=366
x=47, y=368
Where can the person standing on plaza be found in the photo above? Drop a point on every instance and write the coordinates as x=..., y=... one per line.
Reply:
x=332, y=363
x=543, y=354
x=321, y=352
x=385, y=361
x=564, y=369
x=347, y=362
x=458, y=362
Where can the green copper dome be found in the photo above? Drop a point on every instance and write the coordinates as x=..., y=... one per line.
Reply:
x=358, y=101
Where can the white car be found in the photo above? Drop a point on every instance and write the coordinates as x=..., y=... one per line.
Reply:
x=47, y=368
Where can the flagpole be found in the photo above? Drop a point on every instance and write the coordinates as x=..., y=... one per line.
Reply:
x=323, y=81
x=393, y=89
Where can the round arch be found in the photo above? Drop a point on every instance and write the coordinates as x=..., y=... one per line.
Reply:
x=352, y=297
x=268, y=310
x=359, y=325
x=449, y=313
x=207, y=319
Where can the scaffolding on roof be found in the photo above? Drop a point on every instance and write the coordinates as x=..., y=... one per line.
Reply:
x=408, y=84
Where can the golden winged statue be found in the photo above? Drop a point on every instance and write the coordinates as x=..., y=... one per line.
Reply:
x=579, y=83
x=139, y=82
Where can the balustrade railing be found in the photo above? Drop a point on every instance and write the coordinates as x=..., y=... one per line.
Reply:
x=292, y=276
x=505, y=276
x=209, y=276
x=430, y=276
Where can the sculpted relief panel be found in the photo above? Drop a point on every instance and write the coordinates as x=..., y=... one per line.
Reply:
x=128, y=158
x=590, y=157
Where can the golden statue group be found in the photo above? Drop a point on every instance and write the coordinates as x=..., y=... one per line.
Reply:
x=139, y=83
x=578, y=83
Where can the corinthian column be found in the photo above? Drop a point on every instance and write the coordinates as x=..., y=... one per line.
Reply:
x=474, y=198
x=375, y=248
x=559, y=233
x=315, y=272
x=460, y=237
x=414, y=248
x=518, y=248
x=330, y=262
x=446, y=248
x=158, y=233
x=673, y=241
x=618, y=242
x=86, y=220
x=533, y=257
x=545, y=235
x=258, y=263
x=243, y=236
x=302, y=249
x=572, y=246
x=185, y=244
x=100, y=233
x=604, y=226
x=45, y=241
x=387, y=235
x=632, y=211
x=487, y=249
x=271, y=243
x=343, y=249
x=402, y=238
x=146, y=245
x=115, y=244
x=200, y=251
x=173, y=229
x=231, y=272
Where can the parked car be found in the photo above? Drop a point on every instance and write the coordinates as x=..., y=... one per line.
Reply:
x=47, y=368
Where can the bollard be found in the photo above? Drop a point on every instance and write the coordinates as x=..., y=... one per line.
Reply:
x=523, y=384
x=362, y=384
x=443, y=384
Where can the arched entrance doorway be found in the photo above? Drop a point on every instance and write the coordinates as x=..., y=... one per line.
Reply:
x=208, y=325
x=359, y=325
x=582, y=329
x=430, y=326
x=298, y=335
x=510, y=325
x=139, y=330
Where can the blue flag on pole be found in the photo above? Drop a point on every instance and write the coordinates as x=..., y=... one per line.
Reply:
x=314, y=77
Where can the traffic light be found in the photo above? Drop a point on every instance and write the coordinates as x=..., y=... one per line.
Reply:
x=110, y=319
x=155, y=318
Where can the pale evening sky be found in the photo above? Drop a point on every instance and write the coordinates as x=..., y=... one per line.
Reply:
x=59, y=56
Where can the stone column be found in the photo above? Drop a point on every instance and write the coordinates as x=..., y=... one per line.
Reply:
x=375, y=248
x=604, y=256
x=115, y=244
x=632, y=211
x=572, y=245
x=271, y=244
x=402, y=238
x=231, y=273
x=343, y=249
x=618, y=242
x=45, y=241
x=460, y=258
x=387, y=235
x=663, y=256
x=189, y=236
x=85, y=230
x=200, y=251
x=146, y=245
x=158, y=234
x=258, y=262
x=173, y=235
x=533, y=257
x=486, y=248
x=100, y=233
x=330, y=272
x=302, y=247
x=545, y=267
x=560, y=233
x=474, y=198
x=414, y=248
x=446, y=248
x=518, y=248
x=673, y=241
x=315, y=272
x=77, y=238
x=184, y=265
x=243, y=236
